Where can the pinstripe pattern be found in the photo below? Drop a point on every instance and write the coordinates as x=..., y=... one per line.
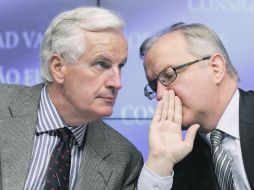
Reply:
x=222, y=162
x=44, y=142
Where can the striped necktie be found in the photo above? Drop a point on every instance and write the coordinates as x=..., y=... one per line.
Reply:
x=221, y=161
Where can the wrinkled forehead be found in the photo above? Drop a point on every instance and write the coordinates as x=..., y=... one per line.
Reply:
x=168, y=46
x=105, y=36
x=107, y=43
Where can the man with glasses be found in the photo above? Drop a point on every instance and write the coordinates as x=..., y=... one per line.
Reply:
x=191, y=75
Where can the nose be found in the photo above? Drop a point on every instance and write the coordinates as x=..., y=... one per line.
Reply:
x=160, y=90
x=114, y=80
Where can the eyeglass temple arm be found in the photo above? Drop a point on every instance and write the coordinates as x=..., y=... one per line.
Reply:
x=190, y=63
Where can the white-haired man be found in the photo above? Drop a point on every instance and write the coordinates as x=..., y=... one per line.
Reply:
x=51, y=135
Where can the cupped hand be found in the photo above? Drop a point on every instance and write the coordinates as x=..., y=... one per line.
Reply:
x=166, y=145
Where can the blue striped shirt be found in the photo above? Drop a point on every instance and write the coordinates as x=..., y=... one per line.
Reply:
x=44, y=143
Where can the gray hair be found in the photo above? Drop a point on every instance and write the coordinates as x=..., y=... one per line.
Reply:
x=202, y=41
x=65, y=34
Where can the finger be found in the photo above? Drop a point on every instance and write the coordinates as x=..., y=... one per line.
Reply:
x=158, y=110
x=190, y=135
x=165, y=99
x=178, y=111
x=171, y=105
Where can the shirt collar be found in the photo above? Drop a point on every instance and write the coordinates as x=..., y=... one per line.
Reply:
x=49, y=119
x=229, y=121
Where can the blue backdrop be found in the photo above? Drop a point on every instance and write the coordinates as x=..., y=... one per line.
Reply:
x=22, y=24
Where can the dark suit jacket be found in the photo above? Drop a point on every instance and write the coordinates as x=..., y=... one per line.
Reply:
x=109, y=160
x=196, y=171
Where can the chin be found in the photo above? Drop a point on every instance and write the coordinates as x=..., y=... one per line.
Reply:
x=186, y=123
x=106, y=112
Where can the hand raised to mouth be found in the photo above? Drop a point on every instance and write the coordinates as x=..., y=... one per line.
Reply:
x=167, y=147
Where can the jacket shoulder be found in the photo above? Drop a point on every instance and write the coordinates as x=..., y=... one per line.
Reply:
x=8, y=92
x=11, y=94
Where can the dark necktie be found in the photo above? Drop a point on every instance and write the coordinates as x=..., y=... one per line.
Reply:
x=58, y=172
x=221, y=161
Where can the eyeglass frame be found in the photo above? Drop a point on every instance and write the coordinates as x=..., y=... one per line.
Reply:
x=154, y=81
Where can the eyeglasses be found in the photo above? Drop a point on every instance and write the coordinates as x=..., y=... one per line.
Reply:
x=166, y=77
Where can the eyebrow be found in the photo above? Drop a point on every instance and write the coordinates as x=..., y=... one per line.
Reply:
x=156, y=75
x=107, y=59
x=103, y=57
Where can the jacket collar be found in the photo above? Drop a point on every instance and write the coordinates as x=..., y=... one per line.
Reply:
x=246, y=111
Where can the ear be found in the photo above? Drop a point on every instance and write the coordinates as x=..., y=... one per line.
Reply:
x=218, y=66
x=56, y=68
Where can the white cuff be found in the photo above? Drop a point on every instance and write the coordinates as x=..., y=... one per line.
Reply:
x=148, y=180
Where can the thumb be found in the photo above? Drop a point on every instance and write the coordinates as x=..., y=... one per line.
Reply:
x=190, y=134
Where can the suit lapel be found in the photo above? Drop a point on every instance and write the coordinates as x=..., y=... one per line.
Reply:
x=94, y=172
x=18, y=135
x=196, y=171
x=246, y=126
x=202, y=175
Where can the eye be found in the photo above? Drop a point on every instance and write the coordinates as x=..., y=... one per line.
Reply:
x=167, y=76
x=101, y=65
x=121, y=66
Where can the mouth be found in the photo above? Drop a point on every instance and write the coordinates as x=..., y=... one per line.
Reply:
x=109, y=99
